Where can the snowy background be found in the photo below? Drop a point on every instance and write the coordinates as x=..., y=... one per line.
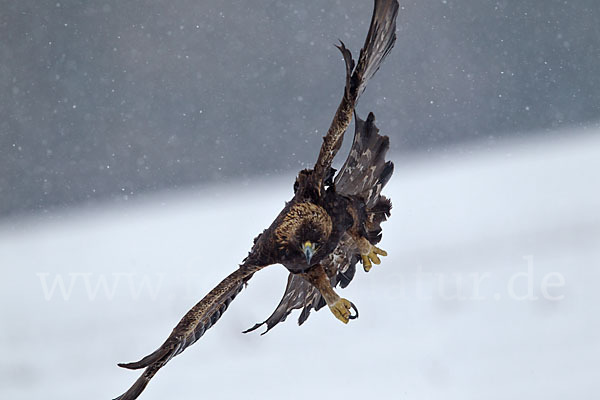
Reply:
x=91, y=287
x=114, y=99
x=136, y=137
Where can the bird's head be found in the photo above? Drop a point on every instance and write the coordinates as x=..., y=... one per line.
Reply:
x=303, y=233
x=307, y=241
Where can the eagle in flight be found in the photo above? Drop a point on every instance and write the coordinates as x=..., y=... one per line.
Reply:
x=331, y=223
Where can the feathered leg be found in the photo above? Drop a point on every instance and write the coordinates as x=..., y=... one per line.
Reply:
x=340, y=307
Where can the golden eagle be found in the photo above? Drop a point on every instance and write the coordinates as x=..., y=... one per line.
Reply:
x=331, y=223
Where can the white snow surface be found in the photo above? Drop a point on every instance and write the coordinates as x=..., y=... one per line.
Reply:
x=522, y=219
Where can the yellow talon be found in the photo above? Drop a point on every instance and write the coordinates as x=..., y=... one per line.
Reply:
x=379, y=251
x=341, y=310
x=372, y=257
x=366, y=263
x=375, y=258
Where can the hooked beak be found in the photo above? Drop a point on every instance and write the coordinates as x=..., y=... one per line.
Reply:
x=308, y=249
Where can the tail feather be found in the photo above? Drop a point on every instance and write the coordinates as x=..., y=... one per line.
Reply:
x=299, y=293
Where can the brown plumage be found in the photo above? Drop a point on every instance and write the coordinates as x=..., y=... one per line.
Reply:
x=331, y=223
x=307, y=216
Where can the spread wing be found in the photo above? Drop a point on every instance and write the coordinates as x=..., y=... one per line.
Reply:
x=379, y=42
x=191, y=327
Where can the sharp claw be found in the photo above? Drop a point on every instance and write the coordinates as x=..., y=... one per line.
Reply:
x=355, y=310
x=341, y=310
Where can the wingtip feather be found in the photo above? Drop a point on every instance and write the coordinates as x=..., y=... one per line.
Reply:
x=146, y=361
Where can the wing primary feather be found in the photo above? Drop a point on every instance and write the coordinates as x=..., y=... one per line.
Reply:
x=144, y=362
x=378, y=43
x=191, y=328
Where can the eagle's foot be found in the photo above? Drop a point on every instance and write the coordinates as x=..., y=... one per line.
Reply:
x=372, y=257
x=341, y=310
